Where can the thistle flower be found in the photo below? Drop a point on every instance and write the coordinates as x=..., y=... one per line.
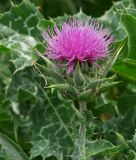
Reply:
x=77, y=41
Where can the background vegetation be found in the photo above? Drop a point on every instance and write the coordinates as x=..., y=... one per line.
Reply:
x=23, y=101
x=53, y=8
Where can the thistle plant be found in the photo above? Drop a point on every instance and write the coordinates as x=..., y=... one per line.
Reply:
x=79, y=54
x=60, y=105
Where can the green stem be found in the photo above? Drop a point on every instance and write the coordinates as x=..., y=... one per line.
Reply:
x=82, y=133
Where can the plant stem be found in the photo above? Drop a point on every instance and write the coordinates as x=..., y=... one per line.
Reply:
x=82, y=133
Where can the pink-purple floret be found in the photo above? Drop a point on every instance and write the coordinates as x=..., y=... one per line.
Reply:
x=77, y=41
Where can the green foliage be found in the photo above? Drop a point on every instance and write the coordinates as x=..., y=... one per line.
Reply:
x=126, y=20
x=53, y=132
x=40, y=106
x=18, y=27
x=11, y=149
x=101, y=147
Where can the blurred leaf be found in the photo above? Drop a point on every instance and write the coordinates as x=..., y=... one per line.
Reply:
x=3, y=155
x=3, y=49
x=105, y=108
x=133, y=142
x=113, y=59
x=12, y=149
x=127, y=123
x=121, y=141
x=131, y=155
x=58, y=7
x=126, y=68
x=101, y=147
x=124, y=125
x=125, y=102
x=126, y=21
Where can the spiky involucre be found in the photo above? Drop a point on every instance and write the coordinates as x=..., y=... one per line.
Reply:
x=77, y=41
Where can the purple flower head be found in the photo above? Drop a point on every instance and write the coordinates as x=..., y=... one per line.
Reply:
x=77, y=41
